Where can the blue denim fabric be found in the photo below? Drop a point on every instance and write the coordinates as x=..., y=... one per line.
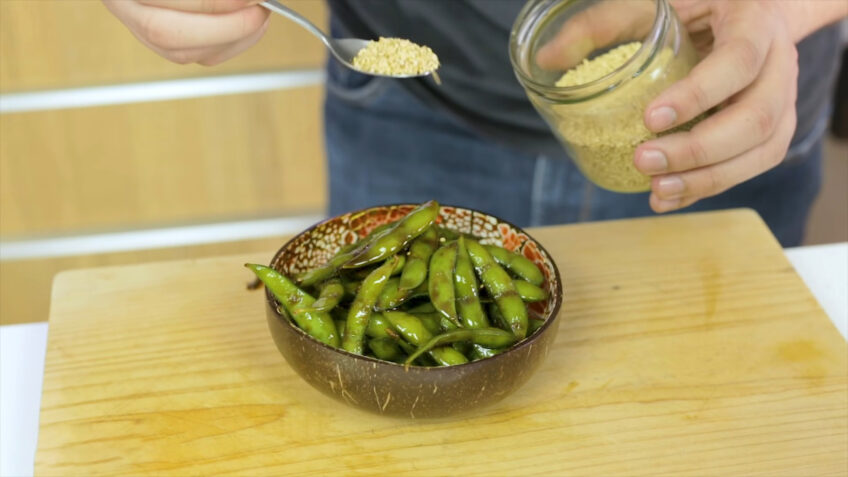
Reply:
x=384, y=146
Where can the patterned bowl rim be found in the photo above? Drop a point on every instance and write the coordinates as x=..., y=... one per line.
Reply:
x=528, y=341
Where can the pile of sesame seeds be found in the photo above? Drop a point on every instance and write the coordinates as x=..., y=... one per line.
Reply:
x=396, y=57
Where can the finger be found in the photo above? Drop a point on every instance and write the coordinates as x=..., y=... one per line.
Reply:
x=168, y=29
x=660, y=206
x=692, y=12
x=681, y=190
x=596, y=27
x=234, y=49
x=201, y=6
x=735, y=61
x=749, y=121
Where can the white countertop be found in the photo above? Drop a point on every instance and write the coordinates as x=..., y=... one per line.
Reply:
x=824, y=268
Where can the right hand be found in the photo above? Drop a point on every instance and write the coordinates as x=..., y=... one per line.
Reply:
x=207, y=32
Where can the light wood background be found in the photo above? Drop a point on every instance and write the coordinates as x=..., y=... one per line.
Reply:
x=68, y=43
x=709, y=359
x=134, y=166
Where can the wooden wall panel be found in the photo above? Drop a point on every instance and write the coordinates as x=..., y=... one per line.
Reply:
x=153, y=163
x=25, y=285
x=64, y=43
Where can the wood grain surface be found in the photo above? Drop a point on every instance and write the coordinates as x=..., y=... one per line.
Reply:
x=25, y=285
x=688, y=346
x=72, y=43
x=146, y=164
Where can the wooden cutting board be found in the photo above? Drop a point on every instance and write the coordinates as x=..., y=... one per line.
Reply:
x=688, y=346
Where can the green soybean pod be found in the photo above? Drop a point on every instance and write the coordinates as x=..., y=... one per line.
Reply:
x=351, y=287
x=413, y=330
x=340, y=326
x=377, y=326
x=331, y=294
x=528, y=292
x=480, y=352
x=534, y=325
x=500, y=287
x=400, y=264
x=465, y=285
x=446, y=356
x=408, y=326
x=386, y=349
x=319, y=325
x=394, y=238
x=415, y=271
x=440, y=284
x=497, y=317
x=424, y=307
x=446, y=235
x=392, y=296
x=363, y=304
x=486, y=337
x=344, y=255
x=431, y=321
x=517, y=264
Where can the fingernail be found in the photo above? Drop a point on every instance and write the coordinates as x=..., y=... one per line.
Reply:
x=652, y=161
x=670, y=187
x=661, y=118
x=667, y=205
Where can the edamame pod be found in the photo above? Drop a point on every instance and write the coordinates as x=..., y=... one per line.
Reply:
x=392, y=296
x=413, y=330
x=319, y=325
x=440, y=284
x=517, y=264
x=465, y=285
x=394, y=238
x=486, y=337
x=534, y=325
x=500, y=287
x=331, y=294
x=480, y=352
x=360, y=310
x=386, y=349
x=415, y=271
x=344, y=255
x=529, y=292
x=377, y=326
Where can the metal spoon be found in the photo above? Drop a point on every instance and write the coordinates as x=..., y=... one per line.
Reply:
x=344, y=49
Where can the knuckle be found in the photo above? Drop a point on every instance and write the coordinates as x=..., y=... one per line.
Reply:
x=713, y=183
x=748, y=56
x=156, y=33
x=762, y=119
x=252, y=20
x=698, y=96
x=697, y=152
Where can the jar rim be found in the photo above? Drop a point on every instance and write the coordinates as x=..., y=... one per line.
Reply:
x=524, y=27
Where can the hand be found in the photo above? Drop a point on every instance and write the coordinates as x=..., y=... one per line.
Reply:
x=752, y=73
x=193, y=31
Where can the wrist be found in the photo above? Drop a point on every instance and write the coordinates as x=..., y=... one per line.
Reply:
x=803, y=17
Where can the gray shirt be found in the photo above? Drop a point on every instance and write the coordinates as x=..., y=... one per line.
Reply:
x=479, y=87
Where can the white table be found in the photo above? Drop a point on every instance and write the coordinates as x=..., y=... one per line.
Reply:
x=824, y=268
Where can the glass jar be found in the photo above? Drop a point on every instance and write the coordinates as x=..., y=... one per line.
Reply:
x=591, y=67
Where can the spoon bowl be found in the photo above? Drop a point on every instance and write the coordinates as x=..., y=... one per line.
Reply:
x=343, y=49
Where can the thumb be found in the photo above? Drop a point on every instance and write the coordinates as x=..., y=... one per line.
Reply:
x=201, y=6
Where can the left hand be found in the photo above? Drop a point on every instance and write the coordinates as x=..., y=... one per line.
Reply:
x=752, y=72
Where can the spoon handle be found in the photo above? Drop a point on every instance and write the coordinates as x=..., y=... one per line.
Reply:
x=278, y=7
